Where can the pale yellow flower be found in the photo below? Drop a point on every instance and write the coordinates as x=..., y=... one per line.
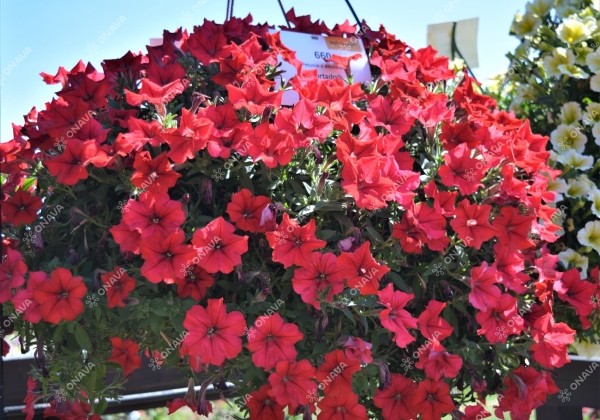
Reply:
x=576, y=160
x=592, y=60
x=590, y=235
x=570, y=113
x=595, y=82
x=579, y=187
x=596, y=133
x=573, y=29
x=566, y=8
x=524, y=25
x=592, y=113
x=567, y=137
x=594, y=197
x=539, y=7
x=570, y=258
x=562, y=61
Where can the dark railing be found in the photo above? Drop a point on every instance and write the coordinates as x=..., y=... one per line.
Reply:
x=579, y=382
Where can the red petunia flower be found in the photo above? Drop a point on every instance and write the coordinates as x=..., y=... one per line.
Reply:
x=513, y=228
x=421, y=225
x=195, y=283
x=125, y=353
x=500, y=320
x=395, y=318
x=190, y=137
x=69, y=167
x=218, y=248
x=155, y=216
x=438, y=363
x=154, y=175
x=336, y=372
x=577, y=292
x=253, y=96
x=213, y=334
x=262, y=405
x=155, y=94
x=432, y=325
x=12, y=273
x=461, y=170
x=342, y=407
x=271, y=339
x=472, y=224
x=166, y=259
x=320, y=273
x=433, y=399
x=484, y=289
x=397, y=399
x=358, y=350
x=292, y=383
x=127, y=238
x=59, y=298
x=245, y=210
x=118, y=285
x=21, y=208
x=552, y=340
x=361, y=270
x=292, y=243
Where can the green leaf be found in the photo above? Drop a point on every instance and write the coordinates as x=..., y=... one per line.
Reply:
x=101, y=406
x=82, y=337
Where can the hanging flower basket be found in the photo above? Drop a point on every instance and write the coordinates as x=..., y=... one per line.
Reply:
x=376, y=249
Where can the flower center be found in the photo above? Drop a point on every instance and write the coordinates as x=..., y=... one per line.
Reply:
x=156, y=220
x=169, y=255
x=210, y=332
x=471, y=222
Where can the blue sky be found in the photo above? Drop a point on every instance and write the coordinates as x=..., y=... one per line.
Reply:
x=38, y=36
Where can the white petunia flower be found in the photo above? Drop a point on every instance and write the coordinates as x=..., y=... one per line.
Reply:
x=594, y=197
x=592, y=113
x=596, y=133
x=593, y=61
x=526, y=24
x=570, y=113
x=566, y=137
x=572, y=258
x=539, y=7
x=595, y=82
x=576, y=160
x=559, y=186
x=573, y=29
x=590, y=235
x=560, y=57
x=579, y=187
